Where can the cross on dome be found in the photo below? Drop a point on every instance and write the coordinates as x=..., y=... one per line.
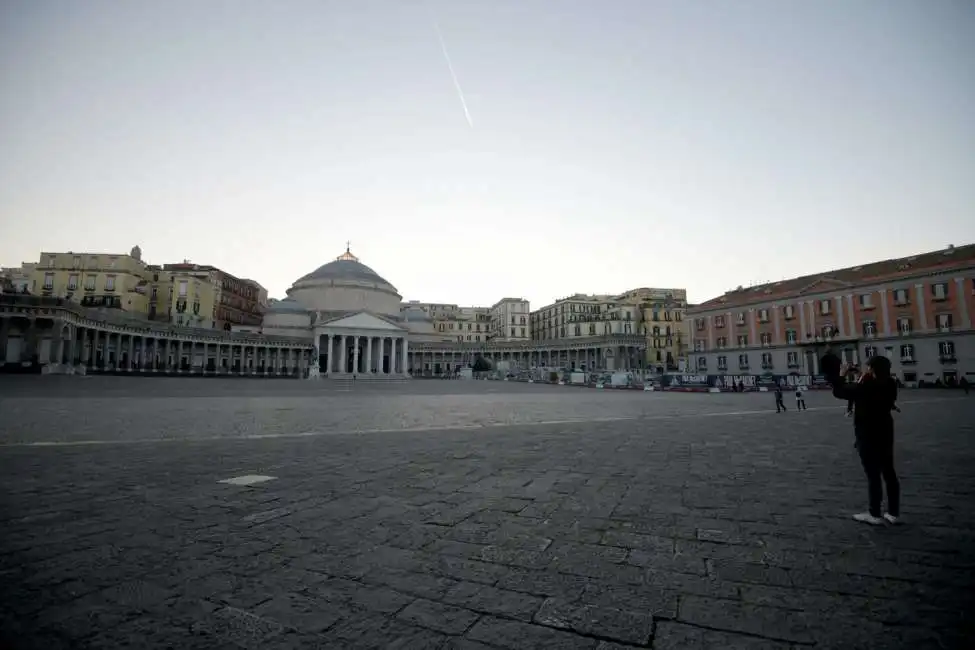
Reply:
x=347, y=255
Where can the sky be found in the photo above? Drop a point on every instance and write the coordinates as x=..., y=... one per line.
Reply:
x=611, y=145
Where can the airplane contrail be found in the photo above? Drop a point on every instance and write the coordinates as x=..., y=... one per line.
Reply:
x=453, y=75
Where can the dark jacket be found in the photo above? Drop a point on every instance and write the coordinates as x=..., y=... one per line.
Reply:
x=874, y=399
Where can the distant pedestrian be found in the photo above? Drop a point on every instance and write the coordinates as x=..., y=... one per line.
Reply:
x=779, y=404
x=800, y=401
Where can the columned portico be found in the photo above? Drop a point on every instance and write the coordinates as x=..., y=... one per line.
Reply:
x=362, y=345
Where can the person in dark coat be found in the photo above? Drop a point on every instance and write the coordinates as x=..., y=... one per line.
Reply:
x=874, y=397
x=779, y=404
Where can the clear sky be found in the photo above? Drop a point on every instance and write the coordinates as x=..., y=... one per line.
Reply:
x=615, y=144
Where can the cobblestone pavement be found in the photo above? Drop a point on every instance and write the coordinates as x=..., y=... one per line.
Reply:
x=558, y=518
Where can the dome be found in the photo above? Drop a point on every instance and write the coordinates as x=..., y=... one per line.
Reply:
x=345, y=285
x=346, y=267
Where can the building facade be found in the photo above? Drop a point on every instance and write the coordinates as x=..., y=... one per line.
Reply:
x=510, y=320
x=197, y=295
x=657, y=315
x=109, y=280
x=917, y=311
x=340, y=320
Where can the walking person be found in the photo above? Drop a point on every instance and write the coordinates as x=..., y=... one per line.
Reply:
x=800, y=400
x=874, y=397
x=779, y=404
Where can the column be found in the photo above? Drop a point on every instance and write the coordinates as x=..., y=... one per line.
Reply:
x=91, y=338
x=802, y=322
x=839, y=316
x=369, y=342
x=131, y=353
x=355, y=353
x=851, y=316
x=342, y=356
x=405, y=345
x=53, y=356
x=921, y=307
x=72, y=334
x=4, y=336
x=960, y=300
x=179, y=356
x=142, y=353
x=883, y=311
x=328, y=353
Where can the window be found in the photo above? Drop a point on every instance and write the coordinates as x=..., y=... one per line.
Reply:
x=901, y=297
x=182, y=288
x=946, y=350
x=722, y=342
x=48, y=281
x=940, y=291
x=869, y=328
x=828, y=331
x=869, y=351
x=742, y=340
x=907, y=353
x=742, y=360
x=111, y=262
x=766, y=339
x=944, y=322
x=109, y=283
x=52, y=261
x=90, y=282
x=699, y=324
x=699, y=345
x=904, y=325
x=522, y=329
x=512, y=332
x=866, y=301
x=702, y=363
x=722, y=363
x=76, y=262
x=73, y=282
x=790, y=312
x=825, y=307
x=718, y=321
x=766, y=359
x=741, y=318
x=763, y=315
x=790, y=337
x=793, y=359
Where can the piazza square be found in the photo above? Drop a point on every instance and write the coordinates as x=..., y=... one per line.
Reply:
x=182, y=512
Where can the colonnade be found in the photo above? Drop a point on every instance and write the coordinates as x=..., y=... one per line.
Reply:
x=611, y=357
x=68, y=348
x=362, y=354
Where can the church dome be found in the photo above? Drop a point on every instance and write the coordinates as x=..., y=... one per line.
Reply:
x=346, y=267
x=345, y=285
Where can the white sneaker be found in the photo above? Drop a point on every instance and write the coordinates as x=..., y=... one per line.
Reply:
x=868, y=518
x=891, y=519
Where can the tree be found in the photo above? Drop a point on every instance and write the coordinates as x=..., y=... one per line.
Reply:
x=481, y=365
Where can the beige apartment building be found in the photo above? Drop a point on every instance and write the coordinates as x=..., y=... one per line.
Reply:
x=656, y=314
x=510, y=320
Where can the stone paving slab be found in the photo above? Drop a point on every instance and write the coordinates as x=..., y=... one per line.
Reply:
x=693, y=523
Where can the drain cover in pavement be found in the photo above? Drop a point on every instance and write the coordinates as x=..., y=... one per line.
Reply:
x=249, y=479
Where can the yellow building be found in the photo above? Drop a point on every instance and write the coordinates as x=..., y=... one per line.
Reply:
x=197, y=295
x=656, y=314
x=112, y=280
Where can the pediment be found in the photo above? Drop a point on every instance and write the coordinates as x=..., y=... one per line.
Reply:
x=363, y=321
x=820, y=285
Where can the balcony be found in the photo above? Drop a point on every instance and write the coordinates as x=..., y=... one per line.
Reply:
x=743, y=366
x=908, y=361
x=793, y=364
x=767, y=366
x=947, y=358
x=944, y=328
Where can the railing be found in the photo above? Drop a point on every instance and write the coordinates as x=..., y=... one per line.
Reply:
x=634, y=340
x=120, y=318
